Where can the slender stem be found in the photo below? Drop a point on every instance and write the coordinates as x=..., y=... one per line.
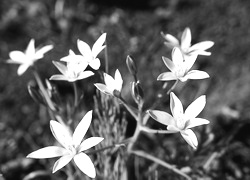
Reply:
x=106, y=58
x=159, y=161
x=172, y=88
x=105, y=148
x=76, y=95
x=155, y=131
x=130, y=110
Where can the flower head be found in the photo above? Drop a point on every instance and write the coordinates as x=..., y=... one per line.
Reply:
x=181, y=121
x=29, y=57
x=185, y=44
x=73, y=70
x=180, y=67
x=111, y=84
x=72, y=146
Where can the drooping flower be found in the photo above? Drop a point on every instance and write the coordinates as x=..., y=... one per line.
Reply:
x=29, y=57
x=185, y=44
x=73, y=70
x=90, y=55
x=111, y=84
x=180, y=68
x=72, y=146
x=181, y=121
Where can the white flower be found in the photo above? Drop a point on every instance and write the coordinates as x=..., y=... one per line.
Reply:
x=74, y=69
x=185, y=44
x=73, y=146
x=182, y=121
x=180, y=68
x=29, y=57
x=90, y=55
x=111, y=84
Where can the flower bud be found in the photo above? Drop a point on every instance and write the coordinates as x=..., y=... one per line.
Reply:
x=137, y=92
x=131, y=65
x=35, y=93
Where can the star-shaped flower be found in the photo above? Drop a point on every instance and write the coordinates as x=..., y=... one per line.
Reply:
x=90, y=55
x=111, y=84
x=185, y=44
x=181, y=121
x=73, y=70
x=180, y=67
x=29, y=57
x=73, y=146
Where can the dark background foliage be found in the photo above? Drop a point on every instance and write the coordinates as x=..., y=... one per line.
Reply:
x=133, y=28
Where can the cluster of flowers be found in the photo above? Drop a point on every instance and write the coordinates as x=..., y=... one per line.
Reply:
x=73, y=68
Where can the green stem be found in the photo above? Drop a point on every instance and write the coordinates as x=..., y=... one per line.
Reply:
x=130, y=110
x=106, y=58
x=76, y=95
x=159, y=161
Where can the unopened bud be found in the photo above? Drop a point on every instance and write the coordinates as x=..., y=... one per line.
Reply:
x=137, y=92
x=131, y=65
x=35, y=93
x=117, y=93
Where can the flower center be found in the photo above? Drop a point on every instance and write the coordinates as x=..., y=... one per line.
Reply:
x=180, y=122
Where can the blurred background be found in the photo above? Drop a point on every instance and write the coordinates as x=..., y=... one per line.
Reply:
x=133, y=28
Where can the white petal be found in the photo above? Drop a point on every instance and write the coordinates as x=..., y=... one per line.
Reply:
x=118, y=80
x=85, y=74
x=59, y=77
x=169, y=64
x=89, y=143
x=169, y=45
x=196, y=74
x=189, y=61
x=109, y=81
x=82, y=128
x=95, y=63
x=186, y=39
x=204, y=45
x=98, y=46
x=173, y=129
x=162, y=117
x=22, y=68
x=195, y=107
x=84, y=49
x=18, y=57
x=85, y=164
x=61, y=133
x=172, y=39
x=196, y=122
x=30, y=51
x=60, y=163
x=61, y=67
x=175, y=105
x=167, y=76
x=177, y=57
x=40, y=53
x=190, y=138
x=48, y=152
x=103, y=88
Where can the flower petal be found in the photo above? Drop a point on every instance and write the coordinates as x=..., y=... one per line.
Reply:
x=61, y=67
x=59, y=77
x=89, y=143
x=186, y=39
x=103, y=88
x=82, y=128
x=196, y=74
x=177, y=57
x=95, y=63
x=22, y=68
x=60, y=163
x=169, y=64
x=175, y=105
x=48, y=152
x=30, y=51
x=201, y=46
x=40, y=52
x=84, y=49
x=172, y=39
x=17, y=57
x=190, y=138
x=118, y=80
x=98, y=46
x=61, y=133
x=195, y=107
x=196, y=122
x=166, y=76
x=173, y=129
x=162, y=117
x=109, y=81
x=189, y=61
x=85, y=74
x=85, y=164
